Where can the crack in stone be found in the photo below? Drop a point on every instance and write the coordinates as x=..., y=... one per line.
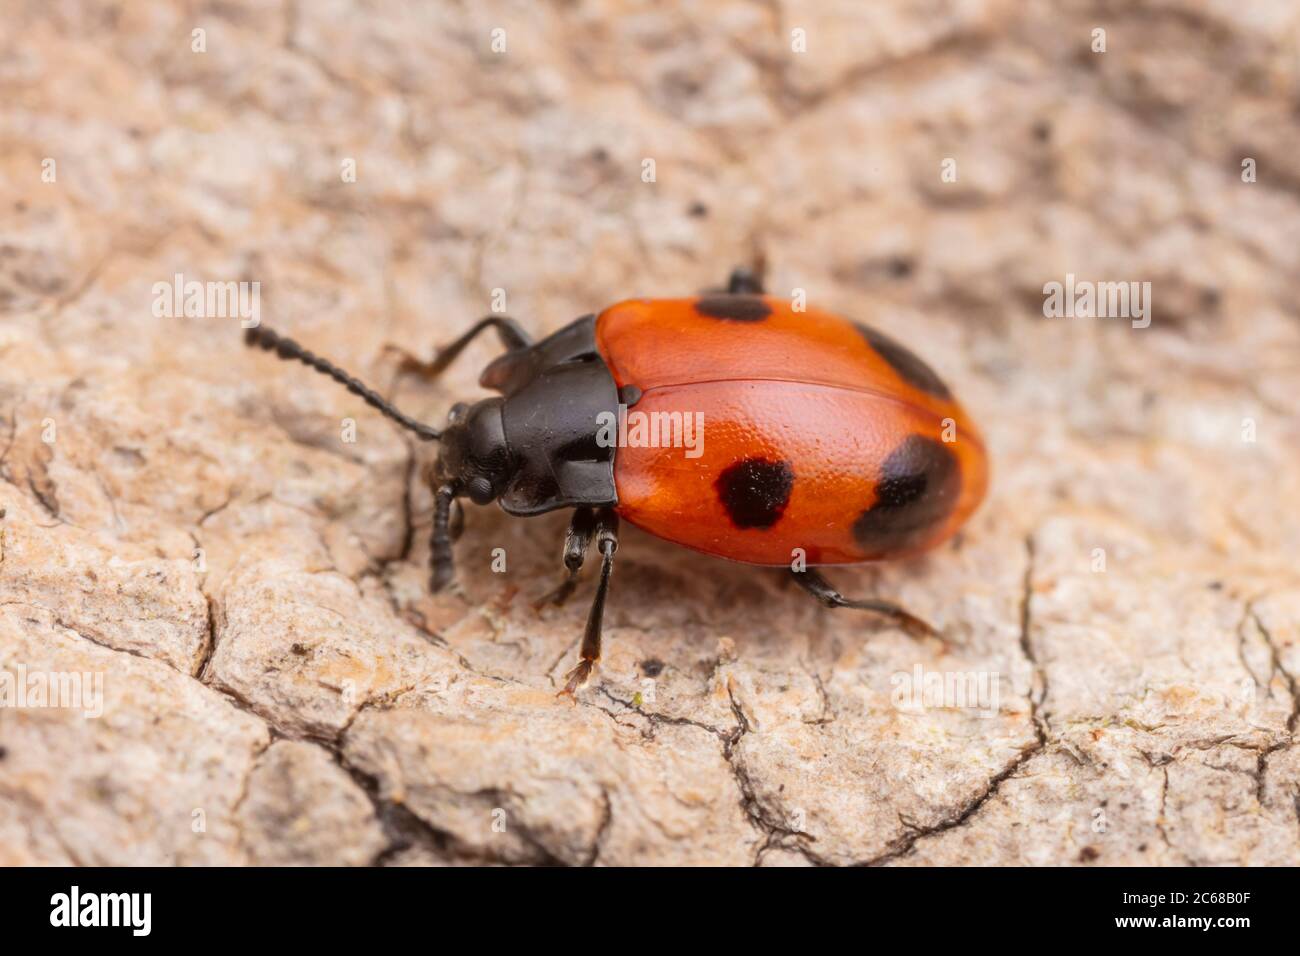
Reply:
x=1262, y=761
x=828, y=713
x=254, y=757
x=406, y=829
x=213, y=512
x=230, y=697
x=210, y=647
x=60, y=622
x=1287, y=676
x=36, y=810
x=1038, y=687
x=403, y=829
x=606, y=820
x=1161, y=818
x=775, y=834
x=654, y=718
x=907, y=843
x=49, y=500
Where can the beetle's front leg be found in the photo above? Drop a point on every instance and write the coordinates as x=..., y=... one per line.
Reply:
x=442, y=560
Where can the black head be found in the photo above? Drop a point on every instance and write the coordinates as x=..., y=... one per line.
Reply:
x=475, y=458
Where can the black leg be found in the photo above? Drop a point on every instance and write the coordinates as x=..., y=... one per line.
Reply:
x=816, y=585
x=744, y=281
x=581, y=528
x=442, y=562
x=509, y=331
x=607, y=545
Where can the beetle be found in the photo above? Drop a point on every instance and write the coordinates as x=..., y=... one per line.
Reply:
x=827, y=441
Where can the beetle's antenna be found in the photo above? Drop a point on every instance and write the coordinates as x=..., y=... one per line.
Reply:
x=287, y=348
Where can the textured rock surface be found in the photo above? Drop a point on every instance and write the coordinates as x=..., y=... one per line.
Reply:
x=185, y=520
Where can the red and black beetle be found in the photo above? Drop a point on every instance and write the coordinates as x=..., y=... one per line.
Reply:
x=825, y=439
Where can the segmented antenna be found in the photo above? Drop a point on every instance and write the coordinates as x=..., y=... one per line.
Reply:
x=286, y=348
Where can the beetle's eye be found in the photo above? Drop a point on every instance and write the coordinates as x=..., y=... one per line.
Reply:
x=479, y=491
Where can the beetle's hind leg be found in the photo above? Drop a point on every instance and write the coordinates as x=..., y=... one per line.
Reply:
x=816, y=585
x=745, y=281
x=606, y=533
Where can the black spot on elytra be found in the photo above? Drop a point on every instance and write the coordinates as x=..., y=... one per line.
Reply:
x=734, y=308
x=755, y=491
x=918, y=487
x=899, y=267
x=909, y=368
x=652, y=667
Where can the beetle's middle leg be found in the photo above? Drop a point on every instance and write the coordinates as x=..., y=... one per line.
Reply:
x=607, y=545
x=510, y=332
x=581, y=527
x=816, y=585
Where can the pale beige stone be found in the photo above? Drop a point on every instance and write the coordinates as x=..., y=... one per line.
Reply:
x=302, y=808
x=148, y=769
x=189, y=519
